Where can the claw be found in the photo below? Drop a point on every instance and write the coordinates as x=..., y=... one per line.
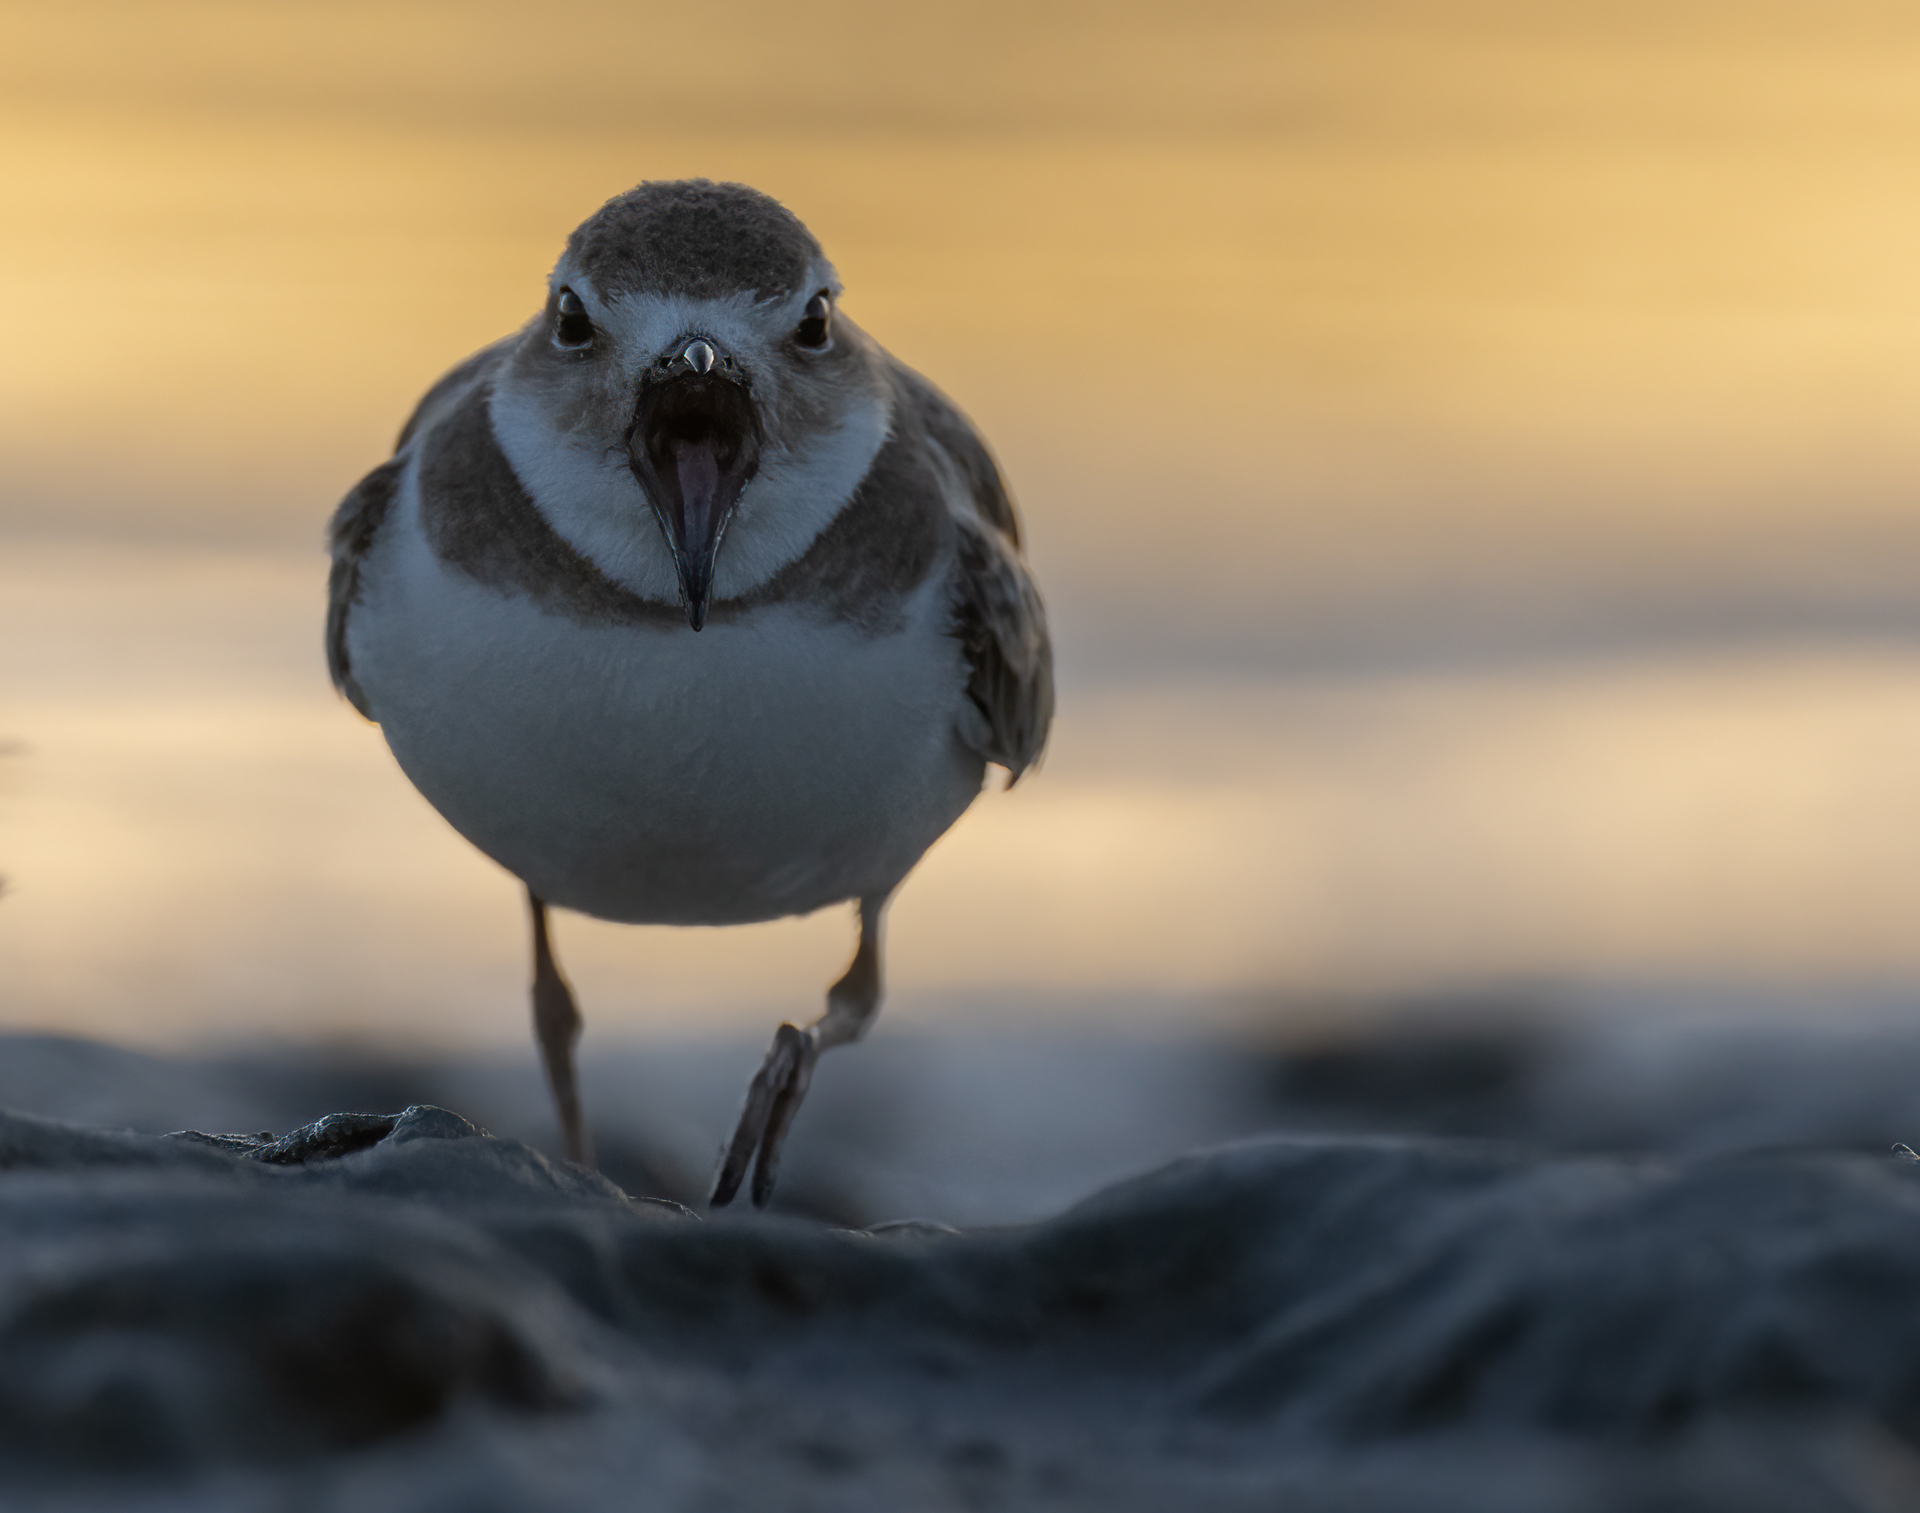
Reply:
x=773, y=1099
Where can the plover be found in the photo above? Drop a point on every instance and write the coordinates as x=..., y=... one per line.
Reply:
x=689, y=604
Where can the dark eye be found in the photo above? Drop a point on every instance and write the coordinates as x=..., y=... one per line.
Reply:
x=571, y=328
x=813, y=330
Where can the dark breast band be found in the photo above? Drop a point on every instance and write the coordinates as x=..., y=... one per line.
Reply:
x=480, y=520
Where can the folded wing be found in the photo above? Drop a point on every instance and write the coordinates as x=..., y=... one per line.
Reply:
x=997, y=615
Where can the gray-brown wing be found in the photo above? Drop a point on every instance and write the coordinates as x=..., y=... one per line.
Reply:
x=354, y=526
x=357, y=520
x=998, y=617
x=1003, y=629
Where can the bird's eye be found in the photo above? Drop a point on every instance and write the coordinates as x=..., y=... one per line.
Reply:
x=571, y=328
x=814, y=330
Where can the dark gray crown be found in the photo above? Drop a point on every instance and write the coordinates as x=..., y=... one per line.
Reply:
x=694, y=237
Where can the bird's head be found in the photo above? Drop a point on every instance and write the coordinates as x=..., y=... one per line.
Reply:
x=690, y=339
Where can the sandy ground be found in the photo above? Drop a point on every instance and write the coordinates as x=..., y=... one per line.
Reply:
x=1468, y=1265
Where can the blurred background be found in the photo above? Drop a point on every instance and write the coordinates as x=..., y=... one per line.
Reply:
x=1468, y=451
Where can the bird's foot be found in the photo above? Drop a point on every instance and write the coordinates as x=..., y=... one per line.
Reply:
x=772, y=1101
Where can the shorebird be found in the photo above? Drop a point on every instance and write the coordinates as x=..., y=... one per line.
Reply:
x=689, y=604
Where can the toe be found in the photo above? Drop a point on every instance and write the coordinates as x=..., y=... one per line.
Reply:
x=766, y=1094
x=801, y=1055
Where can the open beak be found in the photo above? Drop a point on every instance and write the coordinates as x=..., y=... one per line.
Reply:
x=694, y=443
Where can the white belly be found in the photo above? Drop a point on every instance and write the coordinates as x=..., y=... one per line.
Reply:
x=759, y=768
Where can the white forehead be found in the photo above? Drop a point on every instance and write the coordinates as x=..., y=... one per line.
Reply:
x=645, y=324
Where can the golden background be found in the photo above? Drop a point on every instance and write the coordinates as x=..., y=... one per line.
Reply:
x=1468, y=450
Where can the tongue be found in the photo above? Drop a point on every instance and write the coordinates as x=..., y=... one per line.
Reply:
x=699, y=472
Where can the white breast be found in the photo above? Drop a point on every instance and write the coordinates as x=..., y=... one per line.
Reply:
x=763, y=767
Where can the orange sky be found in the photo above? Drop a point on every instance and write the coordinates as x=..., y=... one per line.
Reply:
x=1390, y=291
x=1355, y=365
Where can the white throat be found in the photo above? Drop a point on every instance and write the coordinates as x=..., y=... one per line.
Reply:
x=590, y=496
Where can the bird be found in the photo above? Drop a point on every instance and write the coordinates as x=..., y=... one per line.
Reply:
x=689, y=604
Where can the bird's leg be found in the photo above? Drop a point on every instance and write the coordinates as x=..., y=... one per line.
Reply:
x=556, y=1024
x=781, y=1083
x=781, y=1080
